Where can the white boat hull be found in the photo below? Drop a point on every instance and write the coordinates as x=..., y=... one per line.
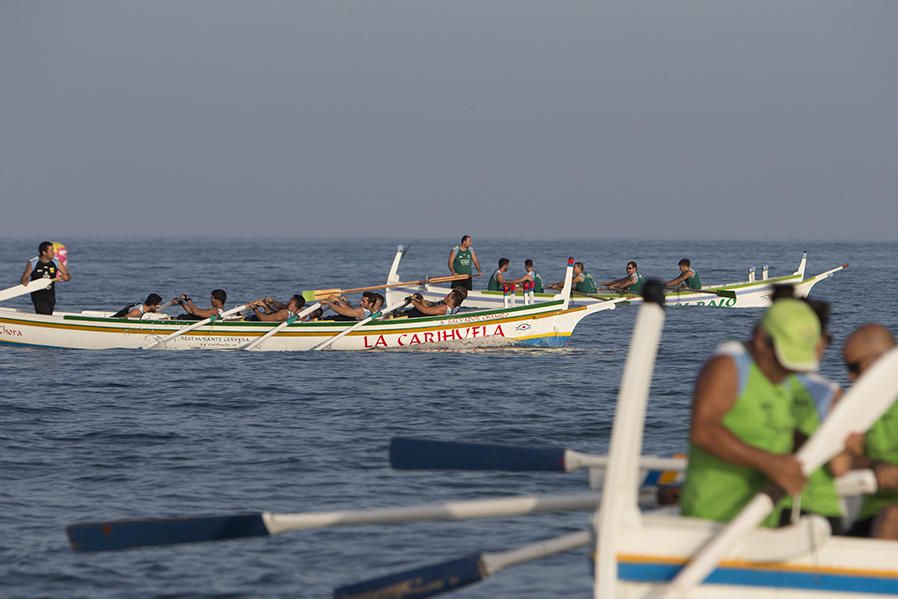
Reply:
x=547, y=324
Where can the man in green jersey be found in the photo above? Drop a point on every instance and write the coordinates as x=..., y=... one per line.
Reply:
x=583, y=282
x=632, y=283
x=498, y=280
x=878, y=449
x=687, y=278
x=742, y=418
x=462, y=261
x=531, y=275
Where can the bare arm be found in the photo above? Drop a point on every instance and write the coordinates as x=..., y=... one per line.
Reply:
x=574, y=281
x=475, y=260
x=64, y=274
x=27, y=274
x=715, y=395
x=681, y=279
x=435, y=310
x=344, y=309
x=451, y=260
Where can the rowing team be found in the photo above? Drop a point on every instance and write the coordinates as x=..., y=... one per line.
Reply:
x=463, y=260
x=755, y=403
x=336, y=308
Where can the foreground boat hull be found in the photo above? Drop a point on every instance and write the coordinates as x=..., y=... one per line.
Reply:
x=548, y=324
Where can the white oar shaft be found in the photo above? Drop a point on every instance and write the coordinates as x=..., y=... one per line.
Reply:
x=256, y=342
x=453, y=510
x=194, y=326
x=331, y=340
x=493, y=562
x=17, y=290
x=575, y=460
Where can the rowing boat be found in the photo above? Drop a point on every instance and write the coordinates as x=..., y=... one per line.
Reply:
x=752, y=293
x=543, y=324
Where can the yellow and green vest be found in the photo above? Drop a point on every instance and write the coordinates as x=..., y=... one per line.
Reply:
x=762, y=417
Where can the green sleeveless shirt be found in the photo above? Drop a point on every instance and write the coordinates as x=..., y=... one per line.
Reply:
x=587, y=285
x=813, y=396
x=493, y=285
x=882, y=444
x=638, y=285
x=463, y=263
x=694, y=282
x=537, y=283
x=761, y=417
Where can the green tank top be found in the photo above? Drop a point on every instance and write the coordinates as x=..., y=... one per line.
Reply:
x=694, y=282
x=882, y=444
x=638, y=285
x=537, y=283
x=463, y=262
x=812, y=400
x=587, y=285
x=761, y=417
x=493, y=285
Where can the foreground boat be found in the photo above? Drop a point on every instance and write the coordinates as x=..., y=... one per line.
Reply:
x=744, y=294
x=544, y=324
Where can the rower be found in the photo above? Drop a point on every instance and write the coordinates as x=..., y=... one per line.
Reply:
x=45, y=266
x=687, y=279
x=498, y=281
x=742, y=415
x=447, y=306
x=271, y=311
x=370, y=302
x=149, y=306
x=461, y=260
x=532, y=276
x=632, y=283
x=192, y=312
x=582, y=281
x=878, y=449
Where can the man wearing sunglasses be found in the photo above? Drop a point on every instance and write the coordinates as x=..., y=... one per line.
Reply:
x=878, y=448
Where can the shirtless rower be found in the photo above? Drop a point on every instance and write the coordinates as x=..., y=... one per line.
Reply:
x=271, y=311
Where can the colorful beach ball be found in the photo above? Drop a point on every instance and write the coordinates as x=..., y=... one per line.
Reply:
x=62, y=254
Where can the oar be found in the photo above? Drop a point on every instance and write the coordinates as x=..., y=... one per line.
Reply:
x=31, y=287
x=864, y=403
x=425, y=454
x=126, y=534
x=718, y=292
x=194, y=326
x=317, y=294
x=255, y=342
x=620, y=485
x=330, y=340
x=444, y=577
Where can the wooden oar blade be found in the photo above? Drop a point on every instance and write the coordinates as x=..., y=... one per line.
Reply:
x=422, y=454
x=426, y=581
x=128, y=534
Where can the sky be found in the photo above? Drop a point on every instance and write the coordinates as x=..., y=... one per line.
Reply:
x=763, y=120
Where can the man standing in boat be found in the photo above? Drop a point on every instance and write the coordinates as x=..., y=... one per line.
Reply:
x=878, y=449
x=462, y=261
x=583, y=282
x=497, y=280
x=687, y=279
x=632, y=283
x=743, y=422
x=45, y=266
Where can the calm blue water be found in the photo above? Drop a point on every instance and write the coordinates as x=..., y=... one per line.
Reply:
x=100, y=435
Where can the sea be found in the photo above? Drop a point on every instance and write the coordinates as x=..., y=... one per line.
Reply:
x=100, y=435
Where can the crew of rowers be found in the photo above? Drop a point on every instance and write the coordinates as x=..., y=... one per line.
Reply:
x=756, y=402
x=463, y=260
x=336, y=308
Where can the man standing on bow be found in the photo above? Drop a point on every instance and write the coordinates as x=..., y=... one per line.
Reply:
x=45, y=266
x=462, y=260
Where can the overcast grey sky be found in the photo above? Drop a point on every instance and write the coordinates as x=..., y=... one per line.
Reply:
x=759, y=120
